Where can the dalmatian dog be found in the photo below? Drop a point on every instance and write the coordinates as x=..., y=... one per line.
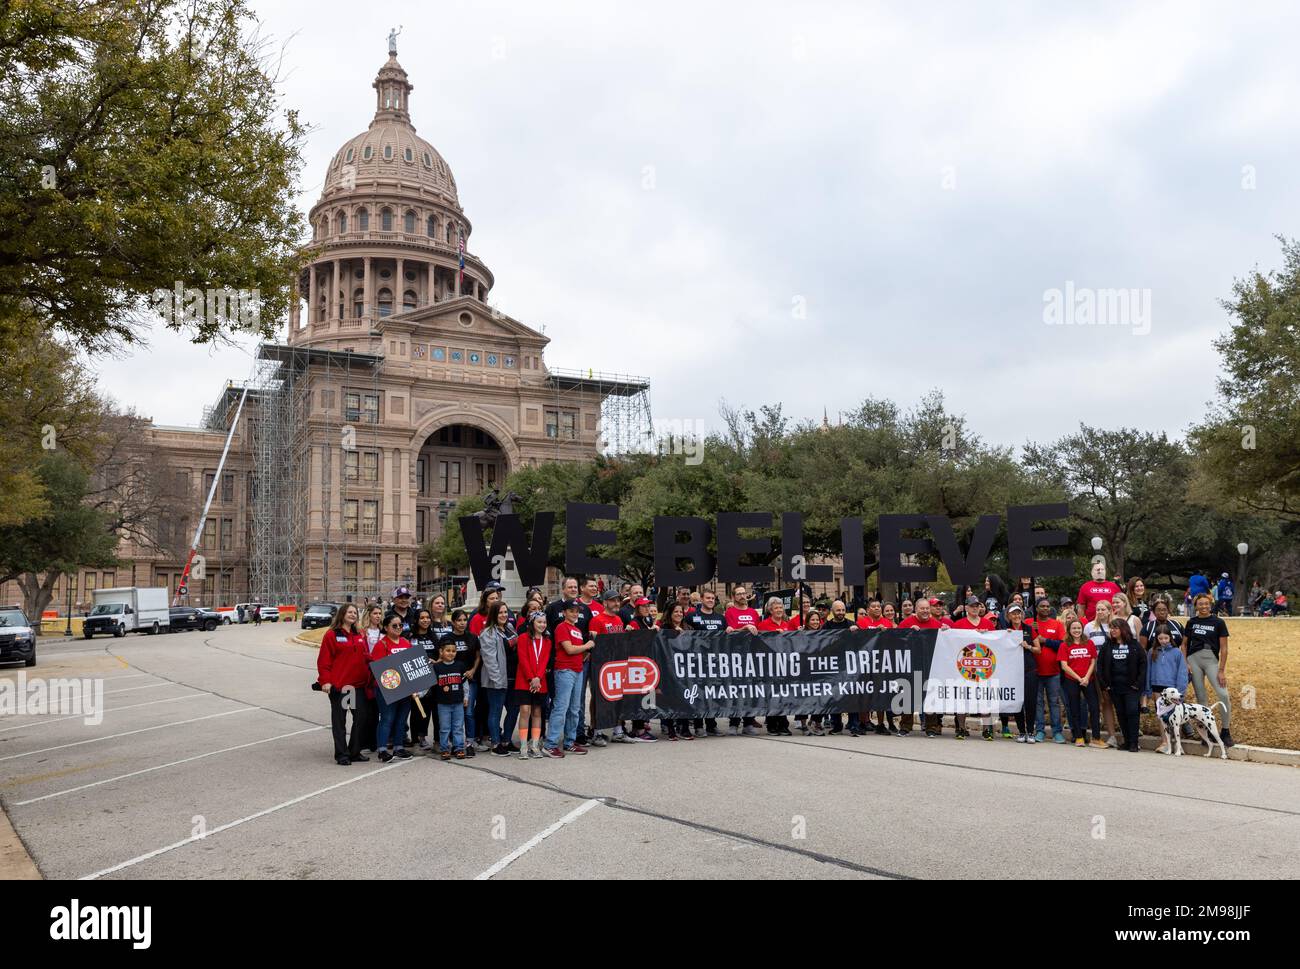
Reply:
x=1174, y=712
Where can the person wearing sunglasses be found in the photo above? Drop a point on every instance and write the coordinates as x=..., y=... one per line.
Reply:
x=392, y=716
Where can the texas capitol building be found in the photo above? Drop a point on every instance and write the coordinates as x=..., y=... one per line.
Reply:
x=397, y=391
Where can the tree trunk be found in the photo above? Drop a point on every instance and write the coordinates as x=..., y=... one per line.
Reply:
x=38, y=589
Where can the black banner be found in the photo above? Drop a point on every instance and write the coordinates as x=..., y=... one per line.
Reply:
x=405, y=673
x=657, y=673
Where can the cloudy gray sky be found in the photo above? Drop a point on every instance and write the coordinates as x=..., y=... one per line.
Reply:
x=812, y=203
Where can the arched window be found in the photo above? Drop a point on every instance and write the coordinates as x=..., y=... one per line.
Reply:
x=358, y=303
x=388, y=152
x=363, y=220
x=385, y=302
x=409, y=155
x=343, y=222
x=367, y=153
x=348, y=158
x=428, y=160
x=408, y=301
x=431, y=227
x=386, y=220
x=450, y=235
x=409, y=222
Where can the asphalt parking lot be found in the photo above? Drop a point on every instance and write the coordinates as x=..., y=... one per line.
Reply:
x=213, y=759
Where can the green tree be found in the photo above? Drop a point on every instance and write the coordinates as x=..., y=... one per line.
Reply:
x=1117, y=482
x=1248, y=448
x=142, y=148
x=70, y=535
x=46, y=402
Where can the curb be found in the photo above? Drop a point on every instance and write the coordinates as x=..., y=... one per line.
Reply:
x=1242, y=752
x=16, y=864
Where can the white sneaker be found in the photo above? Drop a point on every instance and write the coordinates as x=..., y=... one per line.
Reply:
x=424, y=743
x=621, y=737
x=1112, y=742
x=1024, y=738
x=524, y=748
x=750, y=731
x=535, y=750
x=733, y=731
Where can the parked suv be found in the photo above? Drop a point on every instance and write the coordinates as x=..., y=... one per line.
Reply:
x=183, y=617
x=17, y=638
x=319, y=614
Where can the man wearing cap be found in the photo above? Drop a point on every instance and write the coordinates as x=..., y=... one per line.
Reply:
x=571, y=649
x=607, y=620
x=1049, y=635
x=641, y=620
x=922, y=618
x=402, y=610
x=706, y=618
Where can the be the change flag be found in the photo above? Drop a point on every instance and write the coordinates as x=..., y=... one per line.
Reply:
x=976, y=672
x=403, y=673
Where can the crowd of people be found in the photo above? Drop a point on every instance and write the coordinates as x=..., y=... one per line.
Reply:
x=515, y=683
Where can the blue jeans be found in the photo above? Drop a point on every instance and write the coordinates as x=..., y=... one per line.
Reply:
x=392, y=721
x=1049, y=689
x=471, y=691
x=582, y=705
x=496, y=701
x=451, y=726
x=565, y=706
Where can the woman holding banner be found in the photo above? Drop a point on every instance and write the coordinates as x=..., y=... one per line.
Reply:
x=674, y=625
x=343, y=672
x=392, y=716
x=775, y=621
x=1025, y=717
x=812, y=623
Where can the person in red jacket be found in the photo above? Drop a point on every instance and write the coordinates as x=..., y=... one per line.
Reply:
x=1095, y=590
x=343, y=672
x=534, y=649
x=974, y=617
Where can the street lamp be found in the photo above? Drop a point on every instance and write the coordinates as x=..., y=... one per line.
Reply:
x=1096, y=543
x=67, y=632
x=1242, y=549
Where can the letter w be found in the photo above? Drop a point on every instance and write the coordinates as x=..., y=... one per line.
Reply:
x=508, y=535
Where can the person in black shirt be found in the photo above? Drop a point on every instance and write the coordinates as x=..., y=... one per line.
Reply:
x=707, y=619
x=451, y=702
x=423, y=636
x=555, y=611
x=401, y=608
x=840, y=620
x=466, y=646
x=1205, y=645
x=1123, y=674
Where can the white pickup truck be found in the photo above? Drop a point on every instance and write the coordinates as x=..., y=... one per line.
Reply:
x=127, y=610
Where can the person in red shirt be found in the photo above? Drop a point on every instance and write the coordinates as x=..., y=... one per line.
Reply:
x=392, y=716
x=571, y=649
x=1078, y=656
x=1095, y=590
x=740, y=618
x=776, y=621
x=974, y=617
x=875, y=618
x=343, y=670
x=607, y=620
x=923, y=617
x=1048, y=635
x=534, y=649
x=641, y=619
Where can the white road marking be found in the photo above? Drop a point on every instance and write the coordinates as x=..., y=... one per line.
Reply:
x=131, y=706
x=174, y=763
x=132, y=689
x=129, y=733
x=234, y=824
x=536, y=839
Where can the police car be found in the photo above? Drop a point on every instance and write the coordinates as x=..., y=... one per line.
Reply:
x=17, y=638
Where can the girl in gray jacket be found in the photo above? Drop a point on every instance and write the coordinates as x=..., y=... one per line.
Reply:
x=496, y=644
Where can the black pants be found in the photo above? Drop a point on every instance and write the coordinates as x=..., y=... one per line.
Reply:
x=1075, y=698
x=420, y=724
x=1128, y=711
x=345, y=746
x=708, y=722
x=368, y=715
x=1028, y=712
x=748, y=721
x=776, y=723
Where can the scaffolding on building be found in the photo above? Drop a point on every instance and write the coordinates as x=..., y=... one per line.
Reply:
x=626, y=426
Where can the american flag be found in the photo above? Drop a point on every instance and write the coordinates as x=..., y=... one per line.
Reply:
x=461, y=246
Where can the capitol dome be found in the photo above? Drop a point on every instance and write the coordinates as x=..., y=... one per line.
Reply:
x=389, y=236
